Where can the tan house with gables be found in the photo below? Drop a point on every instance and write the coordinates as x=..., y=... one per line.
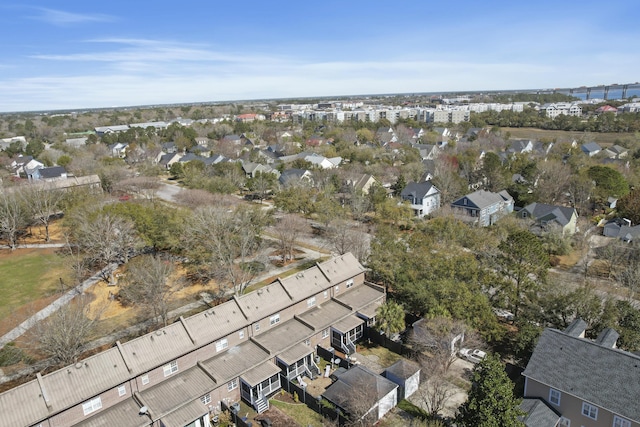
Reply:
x=179, y=375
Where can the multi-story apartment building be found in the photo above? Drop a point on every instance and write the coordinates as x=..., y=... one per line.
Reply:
x=588, y=383
x=554, y=110
x=178, y=375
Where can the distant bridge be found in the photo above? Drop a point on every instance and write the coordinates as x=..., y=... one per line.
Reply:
x=605, y=89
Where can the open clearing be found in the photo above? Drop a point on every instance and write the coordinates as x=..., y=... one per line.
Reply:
x=563, y=135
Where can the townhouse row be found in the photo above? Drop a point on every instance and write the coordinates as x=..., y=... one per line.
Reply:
x=179, y=375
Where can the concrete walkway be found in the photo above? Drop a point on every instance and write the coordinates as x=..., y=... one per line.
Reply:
x=55, y=305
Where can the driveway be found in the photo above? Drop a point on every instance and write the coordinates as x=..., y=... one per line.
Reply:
x=458, y=377
x=168, y=191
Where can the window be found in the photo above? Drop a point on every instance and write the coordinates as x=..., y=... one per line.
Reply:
x=311, y=302
x=171, y=368
x=325, y=333
x=92, y=405
x=274, y=319
x=222, y=344
x=241, y=334
x=232, y=384
x=349, y=283
x=206, y=399
x=257, y=327
x=122, y=390
x=325, y=294
x=337, y=289
x=145, y=379
x=620, y=422
x=554, y=396
x=564, y=422
x=589, y=411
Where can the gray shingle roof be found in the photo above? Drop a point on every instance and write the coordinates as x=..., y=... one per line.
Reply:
x=603, y=376
x=417, y=189
x=356, y=378
x=125, y=413
x=403, y=368
x=561, y=214
x=539, y=414
x=483, y=199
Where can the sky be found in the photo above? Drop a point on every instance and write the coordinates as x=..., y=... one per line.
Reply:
x=83, y=54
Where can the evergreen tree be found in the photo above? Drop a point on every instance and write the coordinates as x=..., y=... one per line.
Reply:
x=399, y=185
x=390, y=318
x=491, y=402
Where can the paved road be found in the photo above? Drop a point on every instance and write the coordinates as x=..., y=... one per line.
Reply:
x=168, y=191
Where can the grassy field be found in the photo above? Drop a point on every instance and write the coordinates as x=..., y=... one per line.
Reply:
x=560, y=135
x=27, y=275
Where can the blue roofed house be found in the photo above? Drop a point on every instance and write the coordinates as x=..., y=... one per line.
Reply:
x=588, y=382
x=545, y=215
x=423, y=196
x=591, y=148
x=483, y=207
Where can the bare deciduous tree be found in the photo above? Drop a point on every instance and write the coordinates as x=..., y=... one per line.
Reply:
x=345, y=237
x=104, y=238
x=13, y=217
x=553, y=181
x=435, y=391
x=43, y=202
x=63, y=335
x=143, y=186
x=223, y=244
x=438, y=340
x=288, y=229
x=195, y=198
x=147, y=287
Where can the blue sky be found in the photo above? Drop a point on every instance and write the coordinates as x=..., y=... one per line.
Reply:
x=74, y=55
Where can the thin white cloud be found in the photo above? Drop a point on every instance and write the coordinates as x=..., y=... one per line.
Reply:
x=142, y=51
x=63, y=18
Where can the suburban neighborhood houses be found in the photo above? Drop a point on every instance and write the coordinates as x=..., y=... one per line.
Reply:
x=281, y=252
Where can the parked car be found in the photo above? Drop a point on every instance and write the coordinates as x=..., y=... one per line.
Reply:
x=472, y=355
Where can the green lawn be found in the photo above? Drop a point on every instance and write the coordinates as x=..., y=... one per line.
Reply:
x=27, y=275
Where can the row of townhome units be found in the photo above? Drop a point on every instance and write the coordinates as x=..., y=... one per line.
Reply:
x=178, y=376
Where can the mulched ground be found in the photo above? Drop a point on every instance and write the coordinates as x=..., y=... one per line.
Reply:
x=277, y=417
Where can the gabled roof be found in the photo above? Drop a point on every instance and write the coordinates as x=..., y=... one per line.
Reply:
x=403, y=368
x=283, y=335
x=125, y=413
x=591, y=147
x=539, y=414
x=52, y=172
x=177, y=390
x=604, y=376
x=418, y=189
x=157, y=348
x=235, y=361
x=264, y=302
x=341, y=268
x=305, y=283
x=540, y=211
x=355, y=379
x=216, y=322
x=483, y=199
